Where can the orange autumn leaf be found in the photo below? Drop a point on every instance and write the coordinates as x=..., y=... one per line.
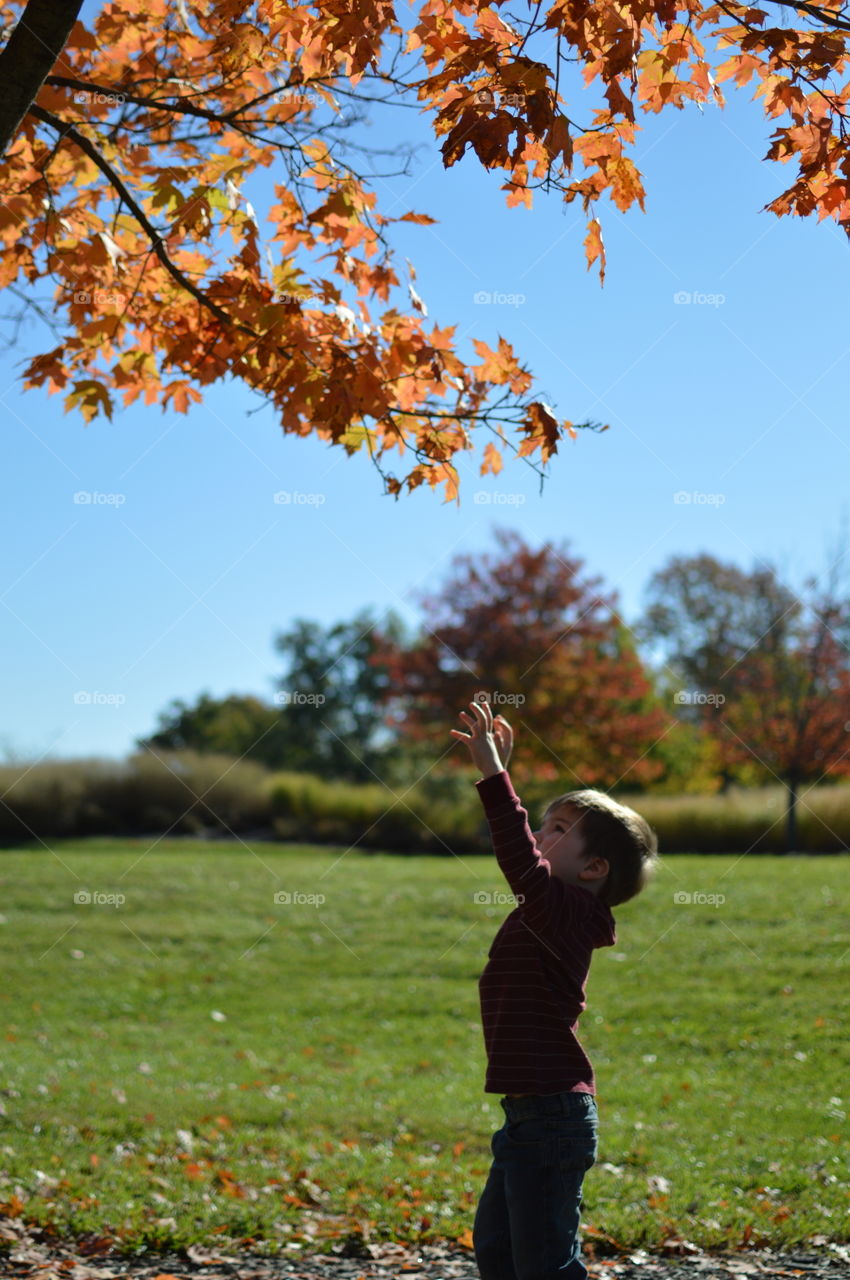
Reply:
x=594, y=247
x=492, y=463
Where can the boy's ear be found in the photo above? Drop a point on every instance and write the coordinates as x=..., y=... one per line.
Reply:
x=596, y=868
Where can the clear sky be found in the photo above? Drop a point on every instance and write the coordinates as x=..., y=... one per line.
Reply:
x=737, y=400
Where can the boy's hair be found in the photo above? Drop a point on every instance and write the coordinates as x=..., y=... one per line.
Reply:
x=613, y=831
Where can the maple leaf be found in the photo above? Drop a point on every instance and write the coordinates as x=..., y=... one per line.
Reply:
x=492, y=461
x=90, y=397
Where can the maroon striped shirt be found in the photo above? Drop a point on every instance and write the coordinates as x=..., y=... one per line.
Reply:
x=533, y=987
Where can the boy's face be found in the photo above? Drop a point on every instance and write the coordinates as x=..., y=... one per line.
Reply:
x=561, y=843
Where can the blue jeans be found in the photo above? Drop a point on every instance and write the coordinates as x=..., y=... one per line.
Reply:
x=527, y=1221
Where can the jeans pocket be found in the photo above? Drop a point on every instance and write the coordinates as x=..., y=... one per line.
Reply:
x=576, y=1152
x=530, y=1132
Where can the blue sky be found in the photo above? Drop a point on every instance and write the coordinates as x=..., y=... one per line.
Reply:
x=740, y=405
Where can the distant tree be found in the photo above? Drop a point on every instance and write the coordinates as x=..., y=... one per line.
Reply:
x=703, y=618
x=528, y=629
x=239, y=725
x=791, y=707
x=333, y=694
x=708, y=615
x=765, y=671
x=327, y=716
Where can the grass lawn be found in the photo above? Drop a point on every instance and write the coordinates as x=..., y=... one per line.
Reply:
x=201, y=1063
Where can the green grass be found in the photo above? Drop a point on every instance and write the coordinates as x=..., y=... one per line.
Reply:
x=342, y=1092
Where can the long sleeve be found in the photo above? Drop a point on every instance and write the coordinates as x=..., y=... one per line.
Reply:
x=550, y=908
x=532, y=990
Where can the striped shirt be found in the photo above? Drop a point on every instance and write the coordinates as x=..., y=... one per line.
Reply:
x=533, y=987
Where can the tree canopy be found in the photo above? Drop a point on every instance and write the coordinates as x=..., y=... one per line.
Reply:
x=768, y=668
x=128, y=145
x=529, y=631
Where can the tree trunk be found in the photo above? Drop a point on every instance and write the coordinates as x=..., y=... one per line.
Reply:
x=30, y=55
x=791, y=818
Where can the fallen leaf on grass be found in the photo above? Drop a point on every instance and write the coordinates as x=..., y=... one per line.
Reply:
x=674, y=1244
x=206, y=1257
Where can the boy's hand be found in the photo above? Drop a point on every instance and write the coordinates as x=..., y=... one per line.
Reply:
x=504, y=735
x=489, y=741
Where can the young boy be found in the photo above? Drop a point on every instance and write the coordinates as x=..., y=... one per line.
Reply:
x=589, y=854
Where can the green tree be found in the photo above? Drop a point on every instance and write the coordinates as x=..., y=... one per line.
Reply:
x=239, y=725
x=333, y=693
x=703, y=619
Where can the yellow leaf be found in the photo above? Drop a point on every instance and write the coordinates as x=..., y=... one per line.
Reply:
x=89, y=397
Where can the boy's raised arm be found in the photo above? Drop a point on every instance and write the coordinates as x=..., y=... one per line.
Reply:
x=541, y=896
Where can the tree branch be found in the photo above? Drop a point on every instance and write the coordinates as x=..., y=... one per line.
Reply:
x=30, y=53
x=815, y=11
x=85, y=144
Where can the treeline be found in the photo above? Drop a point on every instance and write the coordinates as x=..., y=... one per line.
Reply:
x=152, y=796
x=727, y=679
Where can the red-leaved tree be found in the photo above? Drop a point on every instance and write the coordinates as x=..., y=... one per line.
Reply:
x=790, y=711
x=527, y=629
